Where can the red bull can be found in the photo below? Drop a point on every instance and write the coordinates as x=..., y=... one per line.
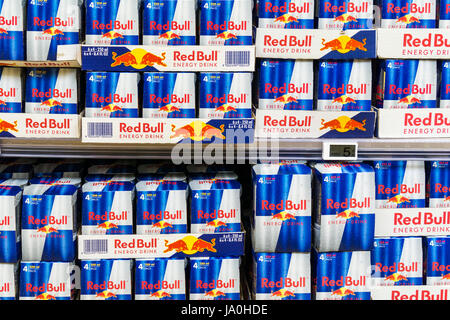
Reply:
x=282, y=208
x=107, y=207
x=444, y=88
x=112, y=22
x=56, y=181
x=106, y=279
x=51, y=91
x=286, y=85
x=409, y=84
x=344, y=85
x=215, y=205
x=49, y=225
x=12, y=16
x=161, y=206
x=225, y=95
x=214, y=278
x=438, y=261
x=341, y=275
x=344, y=218
x=397, y=261
x=286, y=14
x=400, y=184
x=439, y=184
x=345, y=14
x=10, y=199
x=50, y=24
x=170, y=22
x=226, y=22
x=9, y=281
x=169, y=95
x=112, y=95
x=282, y=276
x=11, y=90
x=46, y=281
x=400, y=14
x=160, y=279
x=444, y=14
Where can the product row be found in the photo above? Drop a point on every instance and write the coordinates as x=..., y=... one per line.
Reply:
x=402, y=261
x=40, y=26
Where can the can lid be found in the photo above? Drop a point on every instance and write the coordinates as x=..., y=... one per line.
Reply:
x=161, y=185
x=42, y=189
x=172, y=176
x=55, y=181
x=109, y=177
x=214, y=184
x=108, y=186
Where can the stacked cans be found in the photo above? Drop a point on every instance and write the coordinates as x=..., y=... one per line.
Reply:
x=49, y=226
x=345, y=85
x=405, y=84
x=281, y=231
x=107, y=208
x=344, y=226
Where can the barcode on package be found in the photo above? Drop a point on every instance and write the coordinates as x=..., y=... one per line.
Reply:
x=96, y=246
x=237, y=58
x=100, y=129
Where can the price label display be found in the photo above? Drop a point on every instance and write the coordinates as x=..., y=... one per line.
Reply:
x=340, y=151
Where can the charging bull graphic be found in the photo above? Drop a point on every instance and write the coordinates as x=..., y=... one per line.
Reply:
x=343, y=292
x=138, y=59
x=225, y=108
x=107, y=225
x=111, y=108
x=105, y=295
x=226, y=35
x=345, y=18
x=53, y=32
x=47, y=229
x=51, y=103
x=160, y=294
x=6, y=126
x=396, y=277
x=409, y=100
x=407, y=19
x=285, y=99
x=190, y=245
x=283, y=293
x=169, y=35
x=398, y=199
x=286, y=18
x=3, y=31
x=169, y=108
x=343, y=124
x=198, y=131
x=214, y=293
x=283, y=216
x=45, y=296
x=112, y=35
x=343, y=100
x=347, y=214
x=162, y=225
x=344, y=44
x=216, y=223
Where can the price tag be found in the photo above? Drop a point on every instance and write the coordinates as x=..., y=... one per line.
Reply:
x=340, y=150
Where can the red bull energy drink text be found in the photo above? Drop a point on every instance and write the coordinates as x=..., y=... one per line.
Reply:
x=345, y=14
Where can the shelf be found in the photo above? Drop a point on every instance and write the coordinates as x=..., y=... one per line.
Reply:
x=307, y=149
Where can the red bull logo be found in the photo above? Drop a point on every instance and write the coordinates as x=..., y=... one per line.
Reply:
x=409, y=100
x=286, y=18
x=343, y=292
x=411, y=89
x=347, y=214
x=45, y=296
x=53, y=31
x=398, y=199
x=407, y=19
x=348, y=203
x=107, y=225
x=160, y=294
x=344, y=99
x=51, y=103
x=162, y=225
x=113, y=25
x=227, y=98
x=198, y=131
x=216, y=284
x=108, y=215
x=106, y=286
x=284, y=205
x=345, y=18
x=220, y=214
x=48, y=220
x=344, y=282
x=397, y=267
x=163, y=215
x=343, y=44
x=408, y=8
x=52, y=93
x=46, y=288
x=396, y=277
x=285, y=99
x=283, y=293
x=226, y=26
x=170, y=25
x=112, y=35
x=190, y=245
x=47, y=230
x=346, y=7
x=284, y=283
x=169, y=35
x=399, y=188
x=170, y=99
x=105, y=295
x=111, y=108
x=54, y=22
x=344, y=90
x=288, y=7
x=169, y=108
x=287, y=89
x=225, y=108
x=215, y=293
x=6, y=126
x=343, y=124
x=216, y=223
x=138, y=59
x=113, y=98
